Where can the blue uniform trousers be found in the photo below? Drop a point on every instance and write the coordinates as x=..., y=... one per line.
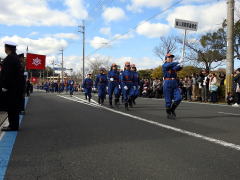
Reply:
x=102, y=91
x=88, y=92
x=171, y=92
x=113, y=87
x=126, y=93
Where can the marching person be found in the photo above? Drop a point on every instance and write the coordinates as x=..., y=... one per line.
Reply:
x=71, y=86
x=87, y=86
x=11, y=85
x=136, y=83
x=113, y=85
x=170, y=88
x=127, y=82
x=101, y=85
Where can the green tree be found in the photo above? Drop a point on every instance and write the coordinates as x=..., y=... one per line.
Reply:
x=157, y=72
x=187, y=71
x=145, y=74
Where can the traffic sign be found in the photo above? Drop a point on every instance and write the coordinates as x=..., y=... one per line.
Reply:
x=187, y=25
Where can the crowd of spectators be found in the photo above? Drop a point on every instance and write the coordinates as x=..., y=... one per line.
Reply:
x=203, y=87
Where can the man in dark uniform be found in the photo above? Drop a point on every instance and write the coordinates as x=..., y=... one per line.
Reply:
x=11, y=83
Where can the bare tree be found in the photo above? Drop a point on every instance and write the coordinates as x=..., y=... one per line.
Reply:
x=167, y=45
x=95, y=63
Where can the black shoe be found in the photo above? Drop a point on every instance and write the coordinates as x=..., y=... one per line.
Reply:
x=126, y=107
x=173, y=108
x=130, y=103
x=7, y=128
x=169, y=113
x=133, y=101
x=89, y=99
x=116, y=103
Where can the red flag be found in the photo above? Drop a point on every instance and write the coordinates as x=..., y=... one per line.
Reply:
x=35, y=61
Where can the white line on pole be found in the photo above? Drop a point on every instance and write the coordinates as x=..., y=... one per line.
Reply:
x=182, y=131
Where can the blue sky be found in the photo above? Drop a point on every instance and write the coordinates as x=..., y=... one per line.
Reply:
x=46, y=26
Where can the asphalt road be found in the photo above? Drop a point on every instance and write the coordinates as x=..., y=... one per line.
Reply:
x=65, y=138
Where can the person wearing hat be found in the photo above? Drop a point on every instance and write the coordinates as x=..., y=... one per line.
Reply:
x=11, y=84
x=127, y=83
x=136, y=82
x=101, y=85
x=113, y=85
x=87, y=86
x=171, y=91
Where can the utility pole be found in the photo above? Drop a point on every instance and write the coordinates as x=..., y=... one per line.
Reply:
x=62, y=65
x=82, y=30
x=230, y=44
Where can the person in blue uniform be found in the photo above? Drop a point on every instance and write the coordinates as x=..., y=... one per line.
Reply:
x=87, y=86
x=113, y=85
x=171, y=90
x=127, y=83
x=136, y=82
x=101, y=85
x=71, y=87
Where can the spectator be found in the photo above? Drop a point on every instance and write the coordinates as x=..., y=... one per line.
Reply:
x=213, y=88
x=236, y=80
x=230, y=98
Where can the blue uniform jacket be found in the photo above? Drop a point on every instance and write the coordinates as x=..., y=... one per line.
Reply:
x=87, y=83
x=170, y=69
x=101, y=80
x=126, y=78
x=135, y=78
x=115, y=75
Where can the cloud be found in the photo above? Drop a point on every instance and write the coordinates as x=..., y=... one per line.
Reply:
x=152, y=30
x=72, y=36
x=113, y=14
x=46, y=46
x=209, y=16
x=38, y=13
x=137, y=5
x=76, y=9
x=105, y=31
x=141, y=63
x=33, y=33
x=98, y=42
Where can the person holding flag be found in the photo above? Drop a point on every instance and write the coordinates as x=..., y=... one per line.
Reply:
x=171, y=90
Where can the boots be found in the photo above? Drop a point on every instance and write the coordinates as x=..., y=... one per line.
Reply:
x=89, y=99
x=99, y=101
x=169, y=113
x=102, y=101
x=173, y=108
x=116, y=101
x=110, y=103
x=130, y=102
x=133, y=101
x=126, y=107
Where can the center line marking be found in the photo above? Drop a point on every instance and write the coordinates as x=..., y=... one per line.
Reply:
x=182, y=131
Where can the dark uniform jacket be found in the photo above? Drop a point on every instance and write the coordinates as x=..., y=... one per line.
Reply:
x=11, y=79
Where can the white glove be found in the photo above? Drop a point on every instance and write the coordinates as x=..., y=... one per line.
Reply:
x=4, y=90
x=107, y=88
x=119, y=86
x=180, y=62
x=94, y=89
x=138, y=87
x=125, y=87
x=82, y=89
x=134, y=87
x=111, y=79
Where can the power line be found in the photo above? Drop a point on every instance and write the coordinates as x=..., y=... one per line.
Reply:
x=135, y=27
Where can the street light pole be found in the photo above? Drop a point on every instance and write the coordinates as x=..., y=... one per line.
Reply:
x=62, y=65
x=230, y=43
x=82, y=30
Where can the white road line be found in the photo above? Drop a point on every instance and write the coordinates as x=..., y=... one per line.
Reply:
x=229, y=113
x=182, y=131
